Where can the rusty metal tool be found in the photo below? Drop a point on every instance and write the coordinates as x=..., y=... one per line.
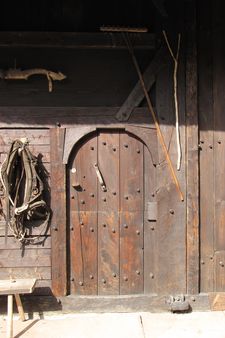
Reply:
x=125, y=33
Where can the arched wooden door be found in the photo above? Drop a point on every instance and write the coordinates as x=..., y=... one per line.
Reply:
x=106, y=192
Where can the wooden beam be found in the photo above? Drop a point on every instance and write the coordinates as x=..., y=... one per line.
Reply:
x=74, y=40
x=137, y=94
x=47, y=117
x=58, y=206
x=192, y=152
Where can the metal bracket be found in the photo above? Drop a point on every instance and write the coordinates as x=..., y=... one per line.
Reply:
x=152, y=211
x=100, y=178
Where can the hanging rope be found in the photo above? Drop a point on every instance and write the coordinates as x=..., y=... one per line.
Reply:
x=150, y=107
x=22, y=189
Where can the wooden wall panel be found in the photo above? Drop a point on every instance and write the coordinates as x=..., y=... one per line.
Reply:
x=219, y=119
x=96, y=78
x=206, y=145
x=192, y=159
x=170, y=274
x=219, y=140
x=58, y=206
x=28, y=258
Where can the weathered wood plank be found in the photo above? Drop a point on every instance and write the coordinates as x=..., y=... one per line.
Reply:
x=13, y=243
x=83, y=218
x=42, y=117
x=171, y=222
x=74, y=40
x=28, y=258
x=219, y=134
x=35, y=230
x=131, y=215
x=206, y=138
x=35, y=136
x=108, y=213
x=38, y=272
x=192, y=152
x=41, y=151
x=219, y=271
x=58, y=206
x=170, y=267
x=150, y=227
x=16, y=287
x=130, y=303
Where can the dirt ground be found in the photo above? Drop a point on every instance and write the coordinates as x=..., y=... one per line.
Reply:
x=120, y=325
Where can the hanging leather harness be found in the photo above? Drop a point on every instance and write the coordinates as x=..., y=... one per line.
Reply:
x=22, y=189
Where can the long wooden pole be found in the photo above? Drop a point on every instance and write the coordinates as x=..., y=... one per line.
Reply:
x=150, y=107
x=175, y=59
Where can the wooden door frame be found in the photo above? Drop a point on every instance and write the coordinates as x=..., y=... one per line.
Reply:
x=62, y=142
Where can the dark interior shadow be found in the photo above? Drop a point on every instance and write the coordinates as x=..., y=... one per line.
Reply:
x=33, y=304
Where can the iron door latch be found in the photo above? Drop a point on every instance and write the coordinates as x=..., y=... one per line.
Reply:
x=100, y=178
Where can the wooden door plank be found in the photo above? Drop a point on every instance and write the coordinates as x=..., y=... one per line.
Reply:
x=58, y=206
x=108, y=215
x=131, y=253
x=83, y=219
x=131, y=218
x=192, y=152
x=150, y=226
x=108, y=253
x=206, y=154
x=83, y=252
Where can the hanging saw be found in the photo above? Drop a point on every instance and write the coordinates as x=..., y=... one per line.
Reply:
x=19, y=74
x=125, y=33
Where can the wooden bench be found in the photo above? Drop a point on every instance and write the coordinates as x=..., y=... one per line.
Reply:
x=15, y=287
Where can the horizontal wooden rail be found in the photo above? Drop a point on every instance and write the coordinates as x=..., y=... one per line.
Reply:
x=74, y=40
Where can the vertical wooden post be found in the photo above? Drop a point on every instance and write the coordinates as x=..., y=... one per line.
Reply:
x=192, y=152
x=10, y=317
x=58, y=206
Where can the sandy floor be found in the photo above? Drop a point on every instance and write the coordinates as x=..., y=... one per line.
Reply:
x=130, y=325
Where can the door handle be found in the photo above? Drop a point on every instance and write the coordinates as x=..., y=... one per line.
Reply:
x=100, y=178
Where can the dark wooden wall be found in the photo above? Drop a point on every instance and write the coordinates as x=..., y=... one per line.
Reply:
x=94, y=77
x=211, y=63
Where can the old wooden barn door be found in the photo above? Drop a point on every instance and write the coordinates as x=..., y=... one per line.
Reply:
x=106, y=193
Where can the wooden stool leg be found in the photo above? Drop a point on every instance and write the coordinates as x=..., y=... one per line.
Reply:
x=10, y=317
x=20, y=307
